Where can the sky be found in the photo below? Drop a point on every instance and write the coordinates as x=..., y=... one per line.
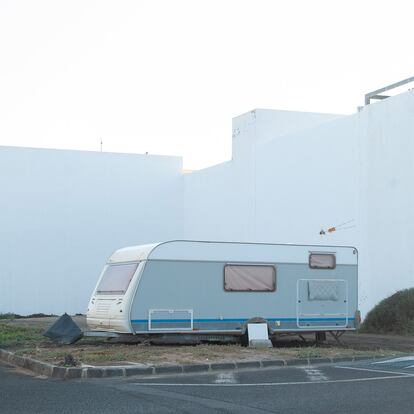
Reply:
x=167, y=77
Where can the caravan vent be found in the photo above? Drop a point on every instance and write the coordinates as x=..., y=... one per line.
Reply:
x=170, y=319
x=103, y=306
x=323, y=290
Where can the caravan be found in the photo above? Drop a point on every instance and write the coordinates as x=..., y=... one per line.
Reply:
x=216, y=288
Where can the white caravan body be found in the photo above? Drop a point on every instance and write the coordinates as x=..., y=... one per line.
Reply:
x=217, y=287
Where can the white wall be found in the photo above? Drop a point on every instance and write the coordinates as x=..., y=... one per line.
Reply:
x=64, y=212
x=220, y=201
x=281, y=190
x=217, y=204
x=386, y=137
x=261, y=125
x=357, y=167
x=303, y=184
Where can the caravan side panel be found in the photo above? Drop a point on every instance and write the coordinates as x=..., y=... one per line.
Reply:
x=183, y=296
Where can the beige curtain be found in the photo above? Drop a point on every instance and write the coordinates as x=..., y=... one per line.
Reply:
x=322, y=261
x=248, y=278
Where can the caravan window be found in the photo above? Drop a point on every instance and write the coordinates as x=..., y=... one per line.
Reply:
x=322, y=261
x=249, y=278
x=116, y=278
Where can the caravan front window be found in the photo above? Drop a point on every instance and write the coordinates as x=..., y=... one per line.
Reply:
x=116, y=278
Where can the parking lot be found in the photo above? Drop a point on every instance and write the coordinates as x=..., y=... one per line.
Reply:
x=369, y=387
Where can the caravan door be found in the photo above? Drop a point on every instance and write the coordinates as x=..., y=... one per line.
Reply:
x=322, y=303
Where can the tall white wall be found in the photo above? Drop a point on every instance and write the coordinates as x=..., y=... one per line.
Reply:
x=285, y=190
x=303, y=184
x=218, y=203
x=221, y=201
x=64, y=212
x=357, y=167
x=262, y=125
x=386, y=137
x=281, y=190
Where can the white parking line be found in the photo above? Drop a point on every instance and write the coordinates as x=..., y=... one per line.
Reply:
x=375, y=370
x=270, y=384
x=392, y=360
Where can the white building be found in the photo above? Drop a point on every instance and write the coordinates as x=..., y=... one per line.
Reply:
x=64, y=212
x=291, y=174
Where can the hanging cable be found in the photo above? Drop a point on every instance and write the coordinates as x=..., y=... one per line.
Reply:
x=338, y=227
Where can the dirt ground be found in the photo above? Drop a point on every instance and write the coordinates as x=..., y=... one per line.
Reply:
x=360, y=341
x=91, y=351
x=374, y=341
x=44, y=322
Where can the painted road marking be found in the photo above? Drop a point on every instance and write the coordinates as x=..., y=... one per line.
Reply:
x=375, y=370
x=391, y=361
x=271, y=384
x=225, y=378
x=315, y=375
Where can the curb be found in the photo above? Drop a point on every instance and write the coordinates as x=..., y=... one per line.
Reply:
x=54, y=371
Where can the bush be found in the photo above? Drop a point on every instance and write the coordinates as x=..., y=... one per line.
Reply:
x=9, y=316
x=394, y=314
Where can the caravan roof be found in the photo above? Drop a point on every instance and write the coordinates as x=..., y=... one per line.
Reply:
x=229, y=252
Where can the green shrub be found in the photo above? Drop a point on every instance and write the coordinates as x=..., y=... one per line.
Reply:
x=8, y=315
x=394, y=314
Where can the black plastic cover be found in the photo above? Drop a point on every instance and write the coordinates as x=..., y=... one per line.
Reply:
x=64, y=331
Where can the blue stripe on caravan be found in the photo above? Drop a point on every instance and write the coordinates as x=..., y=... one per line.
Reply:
x=239, y=320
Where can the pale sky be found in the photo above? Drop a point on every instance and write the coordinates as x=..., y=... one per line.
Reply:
x=166, y=77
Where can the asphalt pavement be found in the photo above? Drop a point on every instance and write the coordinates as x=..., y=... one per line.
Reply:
x=364, y=387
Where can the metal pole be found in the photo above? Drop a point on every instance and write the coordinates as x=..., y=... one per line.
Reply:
x=377, y=94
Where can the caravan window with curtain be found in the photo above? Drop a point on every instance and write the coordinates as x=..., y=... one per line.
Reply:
x=249, y=278
x=322, y=261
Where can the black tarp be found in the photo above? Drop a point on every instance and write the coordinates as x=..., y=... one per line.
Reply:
x=64, y=331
